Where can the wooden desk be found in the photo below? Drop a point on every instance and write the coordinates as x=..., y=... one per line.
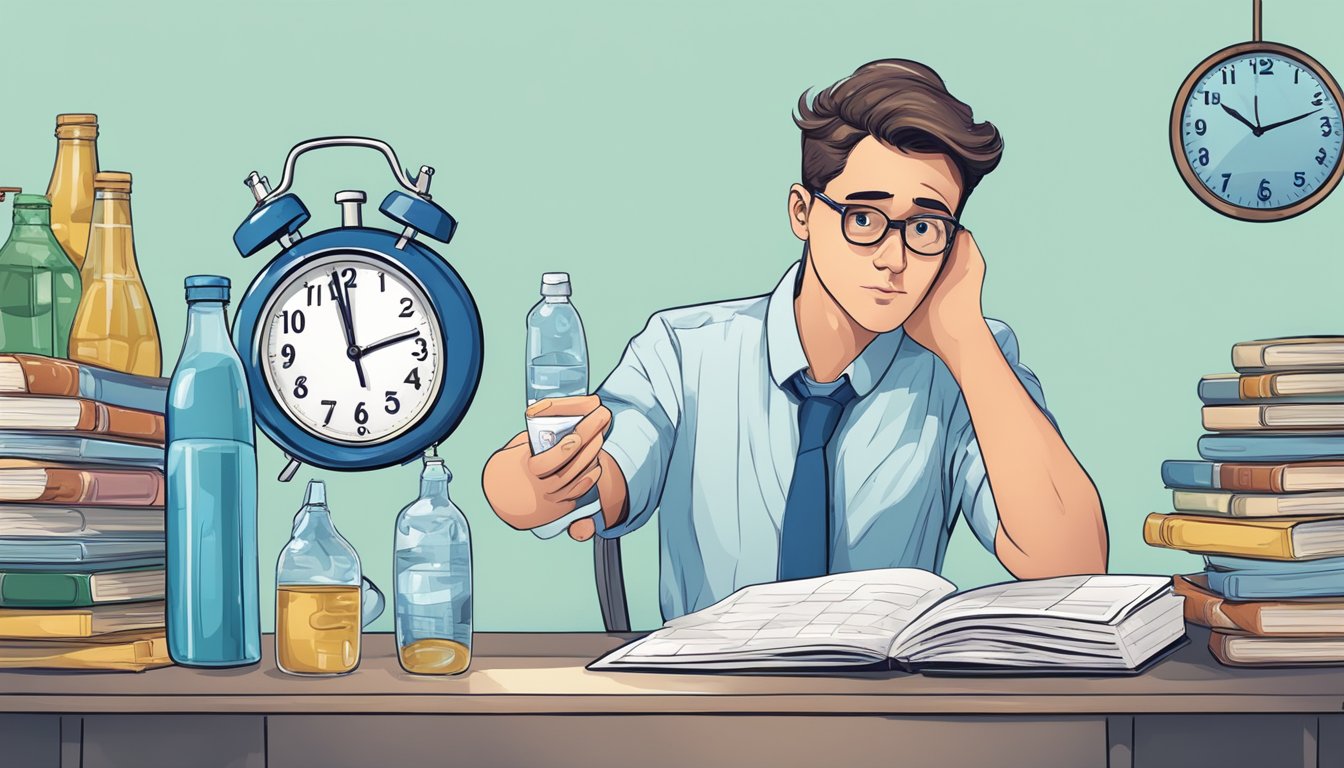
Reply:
x=527, y=700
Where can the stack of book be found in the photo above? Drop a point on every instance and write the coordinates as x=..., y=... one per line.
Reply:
x=1266, y=506
x=81, y=516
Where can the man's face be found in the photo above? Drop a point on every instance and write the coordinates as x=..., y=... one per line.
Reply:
x=880, y=285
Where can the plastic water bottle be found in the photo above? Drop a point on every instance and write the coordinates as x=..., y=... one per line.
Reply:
x=557, y=353
x=211, y=510
x=432, y=557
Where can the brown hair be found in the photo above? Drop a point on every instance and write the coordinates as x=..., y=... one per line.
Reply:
x=906, y=105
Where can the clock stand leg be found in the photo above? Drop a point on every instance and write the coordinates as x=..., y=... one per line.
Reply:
x=291, y=467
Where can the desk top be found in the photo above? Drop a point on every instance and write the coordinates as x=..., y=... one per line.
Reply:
x=543, y=673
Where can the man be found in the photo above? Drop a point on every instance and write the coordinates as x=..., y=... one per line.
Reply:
x=842, y=421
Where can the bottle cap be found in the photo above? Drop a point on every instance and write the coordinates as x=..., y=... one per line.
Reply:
x=112, y=181
x=76, y=119
x=316, y=495
x=26, y=200
x=207, y=288
x=555, y=284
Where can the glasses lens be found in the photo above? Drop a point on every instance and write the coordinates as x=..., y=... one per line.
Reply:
x=865, y=225
x=927, y=235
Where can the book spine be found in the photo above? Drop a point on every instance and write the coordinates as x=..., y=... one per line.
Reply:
x=1233, y=417
x=34, y=625
x=1205, y=609
x=1218, y=536
x=136, y=655
x=1278, y=448
x=57, y=378
x=1246, y=617
x=1258, y=387
x=1252, y=478
x=94, y=487
x=1248, y=355
x=1190, y=474
x=46, y=590
x=1218, y=391
x=1235, y=585
x=1218, y=647
x=127, y=423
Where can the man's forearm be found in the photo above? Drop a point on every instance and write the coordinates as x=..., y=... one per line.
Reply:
x=1050, y=516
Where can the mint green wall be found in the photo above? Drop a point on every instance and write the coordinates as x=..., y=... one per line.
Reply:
x=648, y=152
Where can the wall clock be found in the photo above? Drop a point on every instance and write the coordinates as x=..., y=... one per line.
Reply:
x=1256, y=130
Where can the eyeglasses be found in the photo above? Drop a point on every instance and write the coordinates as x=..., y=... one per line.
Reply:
x=928, y=234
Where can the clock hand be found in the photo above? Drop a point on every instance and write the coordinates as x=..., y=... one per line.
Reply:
x=1267, y=128
x=352, y=350
x=389, y=341
x=1243, y=120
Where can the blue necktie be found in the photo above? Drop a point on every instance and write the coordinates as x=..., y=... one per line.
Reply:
x=805, y=538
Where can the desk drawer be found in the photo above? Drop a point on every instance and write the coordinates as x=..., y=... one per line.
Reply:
x=650, y=741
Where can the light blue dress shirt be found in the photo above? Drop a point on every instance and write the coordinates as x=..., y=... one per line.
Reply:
x=704, y=433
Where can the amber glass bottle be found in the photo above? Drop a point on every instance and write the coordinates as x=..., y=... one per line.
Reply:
x=114, y=326
x=71, y=187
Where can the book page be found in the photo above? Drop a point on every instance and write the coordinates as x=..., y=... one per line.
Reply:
x=862, y=610
x=1097, y=599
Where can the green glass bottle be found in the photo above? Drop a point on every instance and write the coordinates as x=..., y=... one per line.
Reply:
x=39, y=285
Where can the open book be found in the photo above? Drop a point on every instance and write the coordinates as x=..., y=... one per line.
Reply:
x=910, y=619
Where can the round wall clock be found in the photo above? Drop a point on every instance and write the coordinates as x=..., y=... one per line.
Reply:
x=1256, y=130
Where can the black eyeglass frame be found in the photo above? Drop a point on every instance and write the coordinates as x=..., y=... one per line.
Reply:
x=899, y=224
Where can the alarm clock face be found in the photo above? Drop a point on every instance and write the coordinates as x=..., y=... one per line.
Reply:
x=310, y=364
x=1261, y=130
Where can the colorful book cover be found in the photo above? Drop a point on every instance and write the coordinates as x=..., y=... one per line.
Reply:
x=57, y=521
x=88, y=418
x=80, y=623
x=128, y=652
x=37, y=482
x=1271, y=447
x=75, y=449
x=1271, y=580
x=1234, y=389
x=37, y=589
x=18, y=550
x=55, y=377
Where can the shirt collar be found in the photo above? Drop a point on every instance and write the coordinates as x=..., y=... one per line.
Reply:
x=785, y=349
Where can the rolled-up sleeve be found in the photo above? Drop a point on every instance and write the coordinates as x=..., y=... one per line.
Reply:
x=970, y=493
x=643, y=394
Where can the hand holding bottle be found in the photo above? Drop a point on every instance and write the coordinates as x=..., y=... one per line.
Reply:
x=528, y=491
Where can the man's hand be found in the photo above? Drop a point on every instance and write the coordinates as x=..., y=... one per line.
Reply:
x=527, y=491
x=950, y=314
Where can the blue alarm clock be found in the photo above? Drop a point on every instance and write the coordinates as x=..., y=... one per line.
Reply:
x=362, y=346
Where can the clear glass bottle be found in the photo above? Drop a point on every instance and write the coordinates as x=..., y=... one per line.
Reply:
x=371, y=599
x=39, y=287
x=114, y=327
x=317, y=595
x=432, y=558
x=71, y=187
x=557, y=353
x=214, y=616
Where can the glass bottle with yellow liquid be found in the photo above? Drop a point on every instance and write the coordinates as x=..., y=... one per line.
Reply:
x=432, y=557
x=71, y=187
x=114, y=327
x=318, y=601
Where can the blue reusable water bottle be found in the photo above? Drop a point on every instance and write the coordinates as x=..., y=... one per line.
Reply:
x=213, y=610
